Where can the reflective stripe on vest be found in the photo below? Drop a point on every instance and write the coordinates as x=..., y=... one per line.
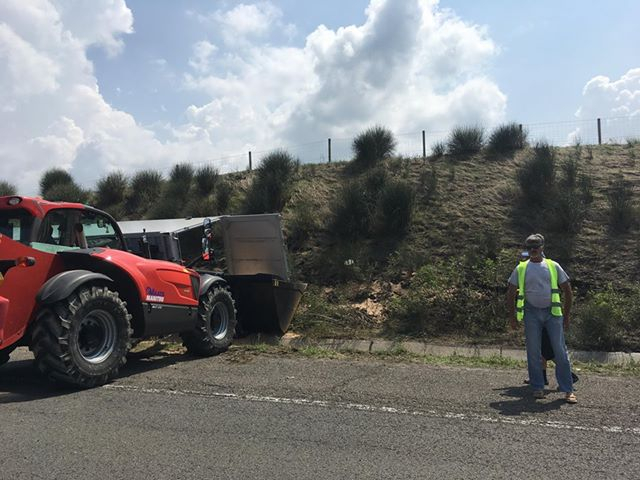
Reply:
x=556, y=305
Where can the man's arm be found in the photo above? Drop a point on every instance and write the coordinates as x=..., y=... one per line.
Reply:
x=512, y=291
x=567, y=302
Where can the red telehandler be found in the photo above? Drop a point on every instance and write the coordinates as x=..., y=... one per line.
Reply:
x=86, y=299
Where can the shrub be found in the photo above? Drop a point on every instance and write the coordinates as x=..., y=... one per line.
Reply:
x=200, y=207
x=303, y=222
x=439, y=149
x=206, y=178
x=53, y=177
x=111, y=190
x=66, y=192
x=222, y=196
x=600, y=320
x=146, y=187
x=507, y=138
x=536, y=176
x=621, y=209
x=373, y=146
x=373, y=183
x=585, y=185
x=568, y=211
x=442, y=300
x=174, y=199
x=7, y=188
x=355, y=206
x=569, y=169
x=351, y=211
x=465, y=141
x=271, y=186
x=395, y=208
x=181, y=176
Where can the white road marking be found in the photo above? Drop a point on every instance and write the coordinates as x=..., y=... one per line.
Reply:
x=374, y=409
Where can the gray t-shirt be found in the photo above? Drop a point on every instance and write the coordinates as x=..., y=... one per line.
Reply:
x=537, y=283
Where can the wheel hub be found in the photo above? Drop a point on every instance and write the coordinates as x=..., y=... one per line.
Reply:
x=219, y=321
x=97, y=336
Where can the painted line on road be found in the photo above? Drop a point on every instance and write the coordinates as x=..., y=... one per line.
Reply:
x=382, y=409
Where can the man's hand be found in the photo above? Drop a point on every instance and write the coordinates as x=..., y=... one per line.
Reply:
x=512, y=291
x=567, y=320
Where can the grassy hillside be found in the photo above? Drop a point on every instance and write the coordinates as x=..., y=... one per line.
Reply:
x=468, y=226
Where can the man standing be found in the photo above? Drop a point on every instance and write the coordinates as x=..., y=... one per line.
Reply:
x=534, y=296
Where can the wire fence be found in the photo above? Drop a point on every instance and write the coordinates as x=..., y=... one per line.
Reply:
x=596, y=131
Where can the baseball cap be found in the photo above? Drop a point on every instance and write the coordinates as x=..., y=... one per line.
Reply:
x=534, y=240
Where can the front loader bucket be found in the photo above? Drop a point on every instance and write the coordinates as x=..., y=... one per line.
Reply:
x=264, y=302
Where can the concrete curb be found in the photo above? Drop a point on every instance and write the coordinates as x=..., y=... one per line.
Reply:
x=423, y=348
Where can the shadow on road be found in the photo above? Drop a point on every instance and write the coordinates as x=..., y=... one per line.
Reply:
x=523, y=402
x=20, y=381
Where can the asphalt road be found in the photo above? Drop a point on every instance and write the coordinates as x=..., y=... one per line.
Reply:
x=246, y=415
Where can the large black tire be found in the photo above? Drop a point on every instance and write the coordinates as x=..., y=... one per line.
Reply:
x=83, y=340
x=216, y=324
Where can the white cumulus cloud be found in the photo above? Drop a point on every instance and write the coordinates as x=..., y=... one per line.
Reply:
x=616, y=102
x=603, y=97
x=409, y=66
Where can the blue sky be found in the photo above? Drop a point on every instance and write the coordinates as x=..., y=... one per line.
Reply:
x=549, y=50
x=108, y=85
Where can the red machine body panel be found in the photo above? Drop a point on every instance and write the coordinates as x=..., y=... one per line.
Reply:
x=158, y=281
x=21, y=286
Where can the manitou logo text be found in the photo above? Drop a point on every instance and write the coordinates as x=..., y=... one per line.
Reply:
x=154, y=295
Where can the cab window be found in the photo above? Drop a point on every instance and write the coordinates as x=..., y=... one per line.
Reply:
x=73, y=229
x=99, y=231
x=16, y=224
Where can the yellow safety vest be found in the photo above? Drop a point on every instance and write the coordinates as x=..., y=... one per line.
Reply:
x=556, y=305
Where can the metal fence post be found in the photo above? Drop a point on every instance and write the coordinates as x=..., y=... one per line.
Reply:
x=329, y=149
x=424, y=147
x=599, y=133
x=249, y=161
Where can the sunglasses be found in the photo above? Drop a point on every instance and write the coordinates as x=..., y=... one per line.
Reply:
x=533, y=247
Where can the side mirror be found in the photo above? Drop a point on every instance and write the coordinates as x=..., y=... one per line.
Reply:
x=5, y=265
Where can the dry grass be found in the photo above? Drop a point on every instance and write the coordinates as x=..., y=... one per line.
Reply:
x=472, y=208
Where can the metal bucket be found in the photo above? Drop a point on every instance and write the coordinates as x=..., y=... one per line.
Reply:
x=265, y=303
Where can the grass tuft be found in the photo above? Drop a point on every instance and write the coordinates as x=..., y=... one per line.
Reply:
x=372, y=146
x=465, y=141
x=507, y=139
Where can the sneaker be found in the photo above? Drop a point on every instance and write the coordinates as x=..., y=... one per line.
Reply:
x=538, y=394
x=570, y=398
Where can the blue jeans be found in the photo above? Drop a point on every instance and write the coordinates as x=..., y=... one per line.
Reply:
x=535, y=319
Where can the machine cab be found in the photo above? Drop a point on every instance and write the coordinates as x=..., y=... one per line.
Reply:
x=67, y=229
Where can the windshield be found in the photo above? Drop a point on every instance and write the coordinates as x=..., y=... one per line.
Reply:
x=16, y=224
x=64, y=229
